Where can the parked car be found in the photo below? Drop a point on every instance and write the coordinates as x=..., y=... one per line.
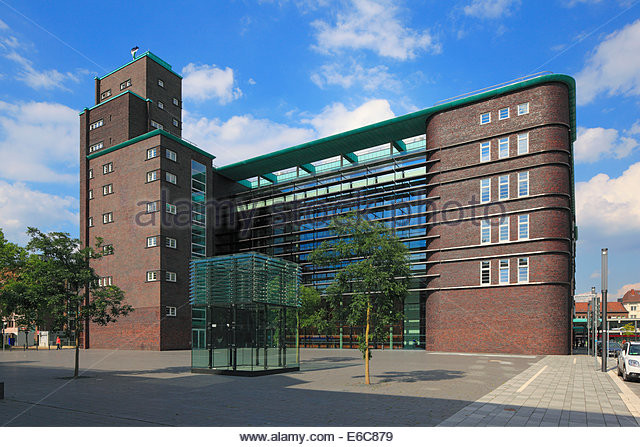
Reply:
x=614, y=348
x=629, y=360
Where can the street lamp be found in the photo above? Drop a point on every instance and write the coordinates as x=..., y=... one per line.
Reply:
x=604, y=284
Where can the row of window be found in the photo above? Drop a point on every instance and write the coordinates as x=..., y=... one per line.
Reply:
x=503, y=229
x=153, y=207
x=157, y=125
x=503, y=187
x=96, y=124
x=154, y=276
x=106, y=190
x=96, y=147
x=504, y=113
x=107, y=168
x=154, y=152
x=169, y=242
x=152, y=176
x=504, y=276
x=503, y=147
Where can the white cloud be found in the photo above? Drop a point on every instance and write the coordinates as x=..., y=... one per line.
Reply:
x=491, y=9
x=373, y=25
x=572, y=3
x=34, y=78
x=595, y=143
x=21, y=206
x=38, y=142
x=610, y=205
x=202, y=82
x=613, y=68
x=355, y=75
x=3, y=25
x=337, y=118
x=624, y=289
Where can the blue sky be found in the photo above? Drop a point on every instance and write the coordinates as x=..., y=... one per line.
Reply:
x=263, y=75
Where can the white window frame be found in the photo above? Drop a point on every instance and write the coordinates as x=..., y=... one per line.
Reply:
x=488, y=188
x=171, y=242
x=485, y=227
x=96, y=124
x=503, y=267
x=485, y=269
x=160, y=105
x=152, y=176
x=500, y=117
x=175, y=122
x=105, y=94
x=96, y=147
x=107, y=249
x=152, y=207
x=176, y=102
x=523, y=143
x=152, y=276
x=523, y=108
x=483, y=115
x=157, y=125
x=171, y=208
x=91, y=173
x=125, y=84
x=171, y=311
x=526, y=266
x=501, y=184
x=152, y=241
x=171, y=276
x=160, y=82
x=90, y=222
x=485, y=146
x=171, y=155
x=107, y=218
x=107, y=168
x=171, y=178
x=523, y=180
x=501, y=146
x=107, y=189
x=152, y=153
x=503, y=224
x=90, y=194
x=523, y=223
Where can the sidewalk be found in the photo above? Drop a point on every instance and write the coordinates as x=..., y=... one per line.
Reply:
x=558, y=391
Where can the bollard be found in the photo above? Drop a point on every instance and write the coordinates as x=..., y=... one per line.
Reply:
x=1, y=390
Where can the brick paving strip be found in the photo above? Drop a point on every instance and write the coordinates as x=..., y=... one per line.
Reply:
x=558, y=391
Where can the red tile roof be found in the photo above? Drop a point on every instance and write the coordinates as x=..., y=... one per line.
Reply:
x=613, y=307
x=632, y=296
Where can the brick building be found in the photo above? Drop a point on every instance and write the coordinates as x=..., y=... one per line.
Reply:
x=480, y=189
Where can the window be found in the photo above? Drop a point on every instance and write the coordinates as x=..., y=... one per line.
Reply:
x=152, y=276
x=170, y=276
x=152, y=207
x=485, y=118
x=485, y=232
x=125, y=84
x=523, y=269
x=171, y=178
x=171, y=155
x=171, y=209
x=107, y=168
x=523, y=227
x=503, y=229
x=176, y=123
x=171, y=242
x=107, y=218
x=90, y=194
x=176, y=102
x=485, y=272
x=523, y=143
x=485, y=151
x=504, y=271
x=523, y=184
x=485, y=190
x=171, y=311
x=90, y=221
x=160, y=105
x=160, y=82
x=90, y=173
x=152, y=241
x=503, y=187
x=96, y=124
x=104, y=282
x=152, y=153
x=503, y=114
x=152, y=176
x=107, y=189
x=96, y=147
x=105, y=94
x=156, y=125
x=503, y=147
x=523, y=109
x=107, y=249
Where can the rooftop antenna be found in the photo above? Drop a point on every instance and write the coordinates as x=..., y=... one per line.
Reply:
x=134, y=50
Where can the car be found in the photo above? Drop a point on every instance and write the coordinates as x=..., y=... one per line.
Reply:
x=614, y=348
x=629, y=360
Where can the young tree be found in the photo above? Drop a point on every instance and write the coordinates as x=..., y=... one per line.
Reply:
x=371, y=280
x=59, y=285
x=313, y=310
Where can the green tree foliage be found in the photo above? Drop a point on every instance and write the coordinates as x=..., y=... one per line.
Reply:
x=371, y=280
x=628, y=329
x=313, y=312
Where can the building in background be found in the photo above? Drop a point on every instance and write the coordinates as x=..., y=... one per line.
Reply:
x=631, y=302
x=480, y=189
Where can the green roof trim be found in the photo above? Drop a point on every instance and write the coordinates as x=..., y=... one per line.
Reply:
x=151, y=56
x=112, y=98
x=145, y=136
x=399, y=145
x=393, y=129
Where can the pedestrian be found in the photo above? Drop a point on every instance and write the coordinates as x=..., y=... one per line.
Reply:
x=58, y=344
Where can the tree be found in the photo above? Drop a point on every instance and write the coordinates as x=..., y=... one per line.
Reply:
x=56, y=284
x=628, y=330
x=12, y=258
x=313, y=311
x=371, y=279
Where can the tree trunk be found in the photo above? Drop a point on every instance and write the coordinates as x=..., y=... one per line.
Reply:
x=366, y=340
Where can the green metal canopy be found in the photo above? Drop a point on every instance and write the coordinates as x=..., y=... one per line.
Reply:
x=389, y=131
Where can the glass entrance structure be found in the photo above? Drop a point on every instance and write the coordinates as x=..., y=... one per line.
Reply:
x=244, y=314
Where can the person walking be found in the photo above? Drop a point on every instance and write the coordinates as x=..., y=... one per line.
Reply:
x=58, y=344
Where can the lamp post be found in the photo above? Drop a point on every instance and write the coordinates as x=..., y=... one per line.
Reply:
x=604, y=284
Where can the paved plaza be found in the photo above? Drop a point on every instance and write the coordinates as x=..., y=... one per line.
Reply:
x=410, y=388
